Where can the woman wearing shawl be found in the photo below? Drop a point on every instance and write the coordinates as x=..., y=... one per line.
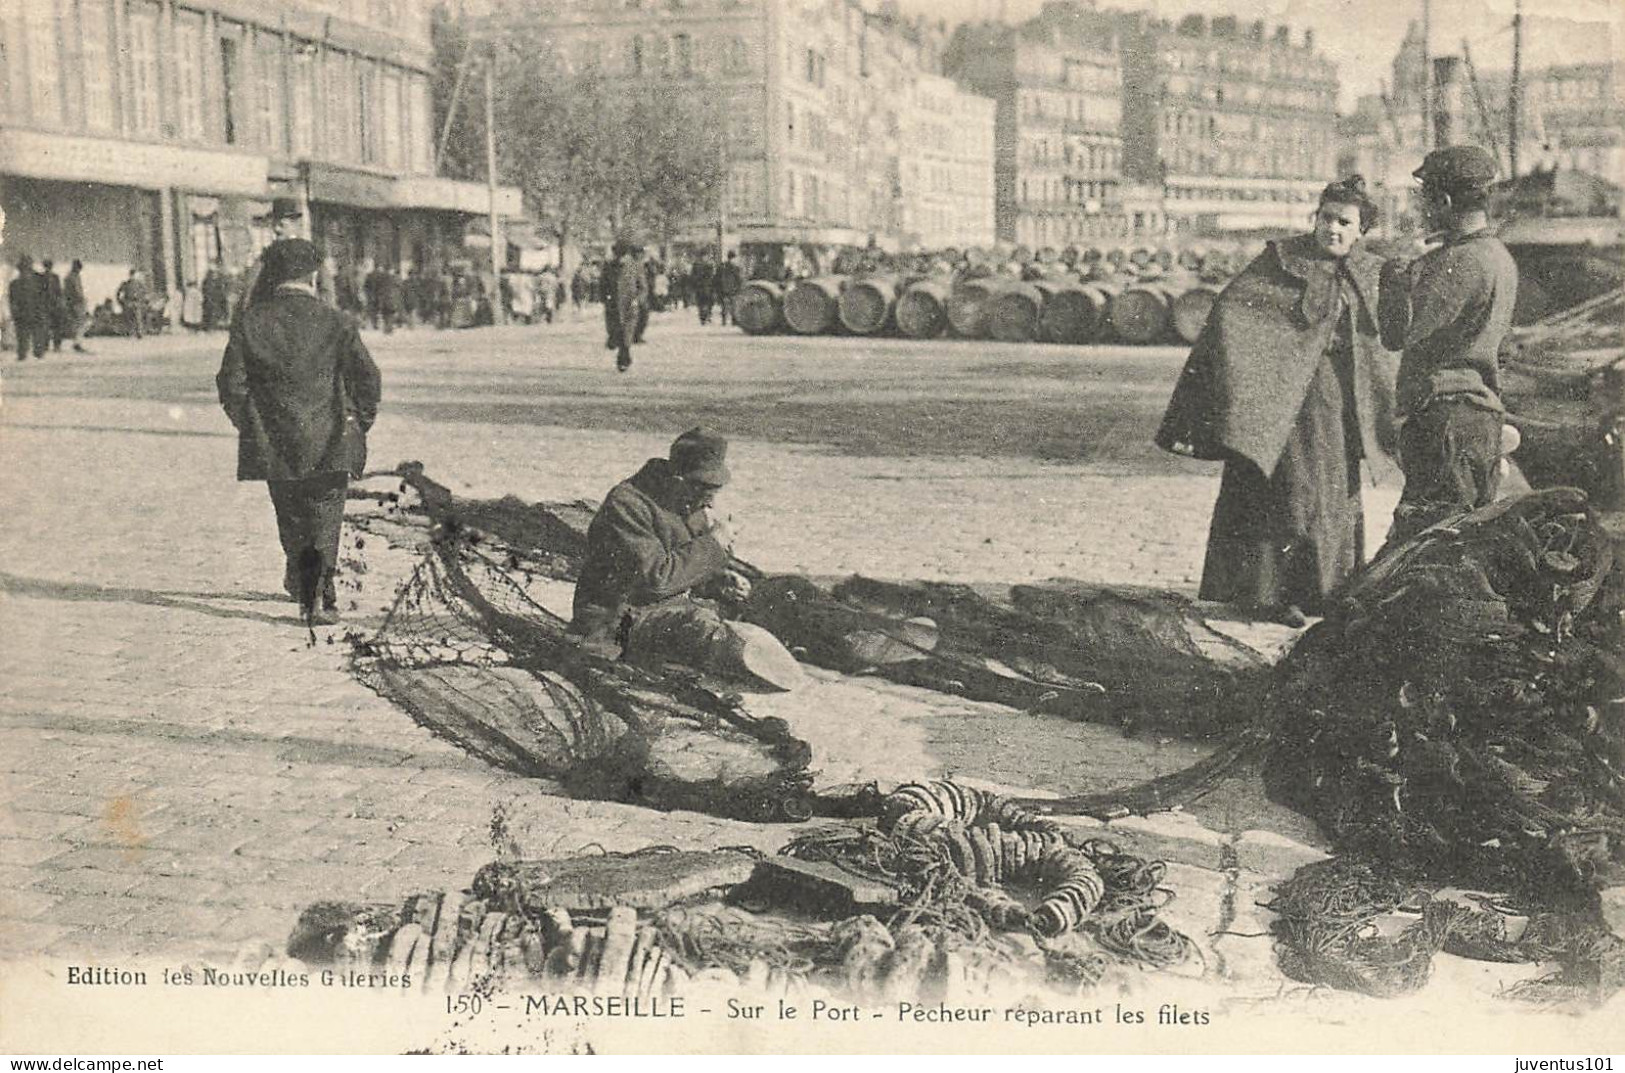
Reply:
x=1289, y=386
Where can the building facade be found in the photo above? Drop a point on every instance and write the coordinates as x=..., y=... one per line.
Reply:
x=826, y=105
x=1057, y=84
x=1235, y=122
x=155, y=134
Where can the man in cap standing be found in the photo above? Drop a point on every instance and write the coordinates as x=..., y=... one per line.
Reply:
x=1453, y=309
x=302, y=391
x=657, y=560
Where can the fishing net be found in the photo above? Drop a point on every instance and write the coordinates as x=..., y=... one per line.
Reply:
x=470, y=653
x=1460, y=718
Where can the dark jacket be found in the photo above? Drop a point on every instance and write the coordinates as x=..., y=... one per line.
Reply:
x=53, y=295
x=27, y=299
x=730, y=278
x=1451, y=321
x=632, y=291
x=641, y=550
x=73, y=295
x=300, y=387
x=1243, y=385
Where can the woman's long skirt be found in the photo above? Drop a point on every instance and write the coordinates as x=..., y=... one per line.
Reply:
x=1292, y=537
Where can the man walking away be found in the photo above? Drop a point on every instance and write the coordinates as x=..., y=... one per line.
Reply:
x=26, y=296
x=631, y=304
x=74, y=306
x=730, y=281
x=1455, y=311
x=702, y=281
x=302, y=391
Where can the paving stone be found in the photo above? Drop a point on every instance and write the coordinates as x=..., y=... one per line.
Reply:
x=38, y=825
x=94, y=913
x=28, y=851
x=1273, y=854
x=87, y=881
x=25, y=904
x=26, y=938
x=1170, y=836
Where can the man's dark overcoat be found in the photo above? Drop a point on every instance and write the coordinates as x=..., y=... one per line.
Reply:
x=641, y=549
x=1244, y=382
x=300, y=387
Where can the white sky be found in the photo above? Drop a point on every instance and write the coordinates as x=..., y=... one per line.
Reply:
x=1361, y=36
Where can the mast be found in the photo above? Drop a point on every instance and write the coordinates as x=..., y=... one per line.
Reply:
x=1515, y=91
x=1427, y=75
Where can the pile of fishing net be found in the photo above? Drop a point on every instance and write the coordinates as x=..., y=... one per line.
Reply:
x=1017, y=909
x=1459, y=719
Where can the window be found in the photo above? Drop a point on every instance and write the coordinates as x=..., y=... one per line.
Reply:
x=419, y=123
x=393, y=155
x=302, y=105
x=95, y=37
x=230, y=90
x=685, y=55
x=143, y=20
x=366, y=111
x=634, y=59
x=337, y=109
x=268, y=132
x=44, y=61
x=189, y=76
x=738, y=59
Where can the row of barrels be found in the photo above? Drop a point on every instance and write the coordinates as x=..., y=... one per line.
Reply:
x=1012, y=311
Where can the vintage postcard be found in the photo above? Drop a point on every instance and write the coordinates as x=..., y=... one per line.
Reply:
x=812, y=526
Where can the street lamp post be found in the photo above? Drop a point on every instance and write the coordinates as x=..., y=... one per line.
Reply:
x=499, y=315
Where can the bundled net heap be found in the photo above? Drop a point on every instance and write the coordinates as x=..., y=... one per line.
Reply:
x=1460, y=719
x=469, y=653
x=987, y=900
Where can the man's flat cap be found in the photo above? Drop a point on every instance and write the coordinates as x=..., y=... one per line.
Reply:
x=1458, y=167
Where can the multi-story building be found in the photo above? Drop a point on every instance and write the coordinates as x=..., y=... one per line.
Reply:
x=1057, y=83
x=156, y=133
x=1234, y=122
x=947, y=172
x=821, y=100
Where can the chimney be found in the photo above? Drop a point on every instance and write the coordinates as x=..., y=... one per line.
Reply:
x=1283, y=35
x=1256, y=33
x=1309, y=38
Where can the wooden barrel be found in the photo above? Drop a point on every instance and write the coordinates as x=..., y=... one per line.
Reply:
x=812, y=306
x=970, y=305
x=1013, y=317
x=922, y=311
x=1143, y=313
x=759, y=307
x=1072, y=313
x=866, y=305
x=1190, y=310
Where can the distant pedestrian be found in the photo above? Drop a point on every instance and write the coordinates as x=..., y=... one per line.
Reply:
x=702, y=283
x=216, y=299
x=631, y=303
x=302, y=391
x=30, y=320
x=730, y=281
x=55, y=313
x=287, y=220
x=135, y=300
x=74, y=305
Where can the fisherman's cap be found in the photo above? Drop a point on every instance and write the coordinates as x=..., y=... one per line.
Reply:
x=1457, y=167
x=289, y=259
x=700, y=454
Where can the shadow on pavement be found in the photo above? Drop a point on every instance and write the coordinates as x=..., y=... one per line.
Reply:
x=74, y=591
x=120, y=430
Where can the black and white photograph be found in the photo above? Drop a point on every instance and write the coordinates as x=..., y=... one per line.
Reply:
x=734, y=527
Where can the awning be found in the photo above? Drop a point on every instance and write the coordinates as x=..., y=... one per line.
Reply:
x=74, y=158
